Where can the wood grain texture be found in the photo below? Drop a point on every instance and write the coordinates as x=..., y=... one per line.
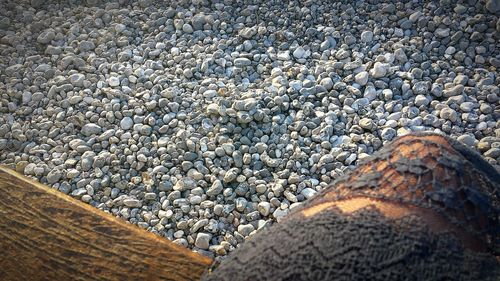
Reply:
x=47, y=235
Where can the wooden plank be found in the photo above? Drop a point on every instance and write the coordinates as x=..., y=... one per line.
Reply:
x=47, y=235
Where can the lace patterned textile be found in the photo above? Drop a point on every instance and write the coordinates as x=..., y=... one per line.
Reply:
x=423, y=171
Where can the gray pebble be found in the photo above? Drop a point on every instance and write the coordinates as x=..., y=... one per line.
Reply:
x=264, y=208
x=467, y=139
x=77, y=79
x=91, y=129
x=242, y=62
x=53, y=176
x=230, y=175
x=448, y=114
x=245, y=229
x=203, y=240
x=308, y=192
x=388, y=134
x=132, y=203
x=46, y=37
x=126, y=123
x=362, y=78
x=421, y=100
x=367, y=36
x=379, y=70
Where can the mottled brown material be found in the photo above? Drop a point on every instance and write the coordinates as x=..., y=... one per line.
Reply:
x=429, y=171
x=46, y=235
x=422, y=208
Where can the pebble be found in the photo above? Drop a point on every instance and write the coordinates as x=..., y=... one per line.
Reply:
x=203, y=240
x=53, y=176
x=327, y=82
x=279, y=214
x=400, y=55
x=299, y=52
x=185, y=184
x=85, y=46
x=264, y=208
x=245, y=229
x=361, y=78
x=91, y=129
x=421, y=100
x=126, y=123
x=114, y=81
x=77, y=79
x=453, y=91
x=367, y=36
x=493, y=152
x=187, y=28
x=467, y=139
x=366, y=123
x=132, y=203
x=242, y=62
x=199, y=225
x=379, y=70
x=442, y=32
x=467, y=106
x=308, y=192
x=493, y=6
x=388, y=134
x=415, y=16
x=448, y=114
x=231, y=175
x=215, y=189
x=46, y=36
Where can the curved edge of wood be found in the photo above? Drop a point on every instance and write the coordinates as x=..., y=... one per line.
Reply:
x=45, y=234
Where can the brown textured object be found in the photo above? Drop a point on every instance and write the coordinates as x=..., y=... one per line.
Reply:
x=424, y=207
x=47, y=235
x=429, y=171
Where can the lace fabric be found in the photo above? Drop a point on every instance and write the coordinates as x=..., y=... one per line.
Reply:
x=429, y=171
x=421, y=170
x=361, y=246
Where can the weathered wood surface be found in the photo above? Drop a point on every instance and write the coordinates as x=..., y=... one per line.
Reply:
x=47, y=235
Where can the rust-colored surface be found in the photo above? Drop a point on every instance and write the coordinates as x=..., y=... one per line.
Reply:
x=47, y=235
x=426, y=170
x=426, y=175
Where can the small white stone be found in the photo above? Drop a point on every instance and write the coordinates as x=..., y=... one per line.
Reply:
x=132, y=203
x=299, y=52
x=467, y=139
x=202, y=240
x=77, y=79
x=113, y=81
x=379, y=70
x=448, y=114
x=367, y=36
x=187, y=28
x=242, y=62
x=126, y=123
x=467, y=106
x=388, y=134
x=361, y=78
x=245, y=229
x=91, y=129
x=119, y=28
x=284, y=55
x=421, y=100
x=264, y=208
x=308, y=192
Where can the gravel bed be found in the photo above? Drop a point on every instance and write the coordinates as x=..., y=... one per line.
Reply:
x=204, y=121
